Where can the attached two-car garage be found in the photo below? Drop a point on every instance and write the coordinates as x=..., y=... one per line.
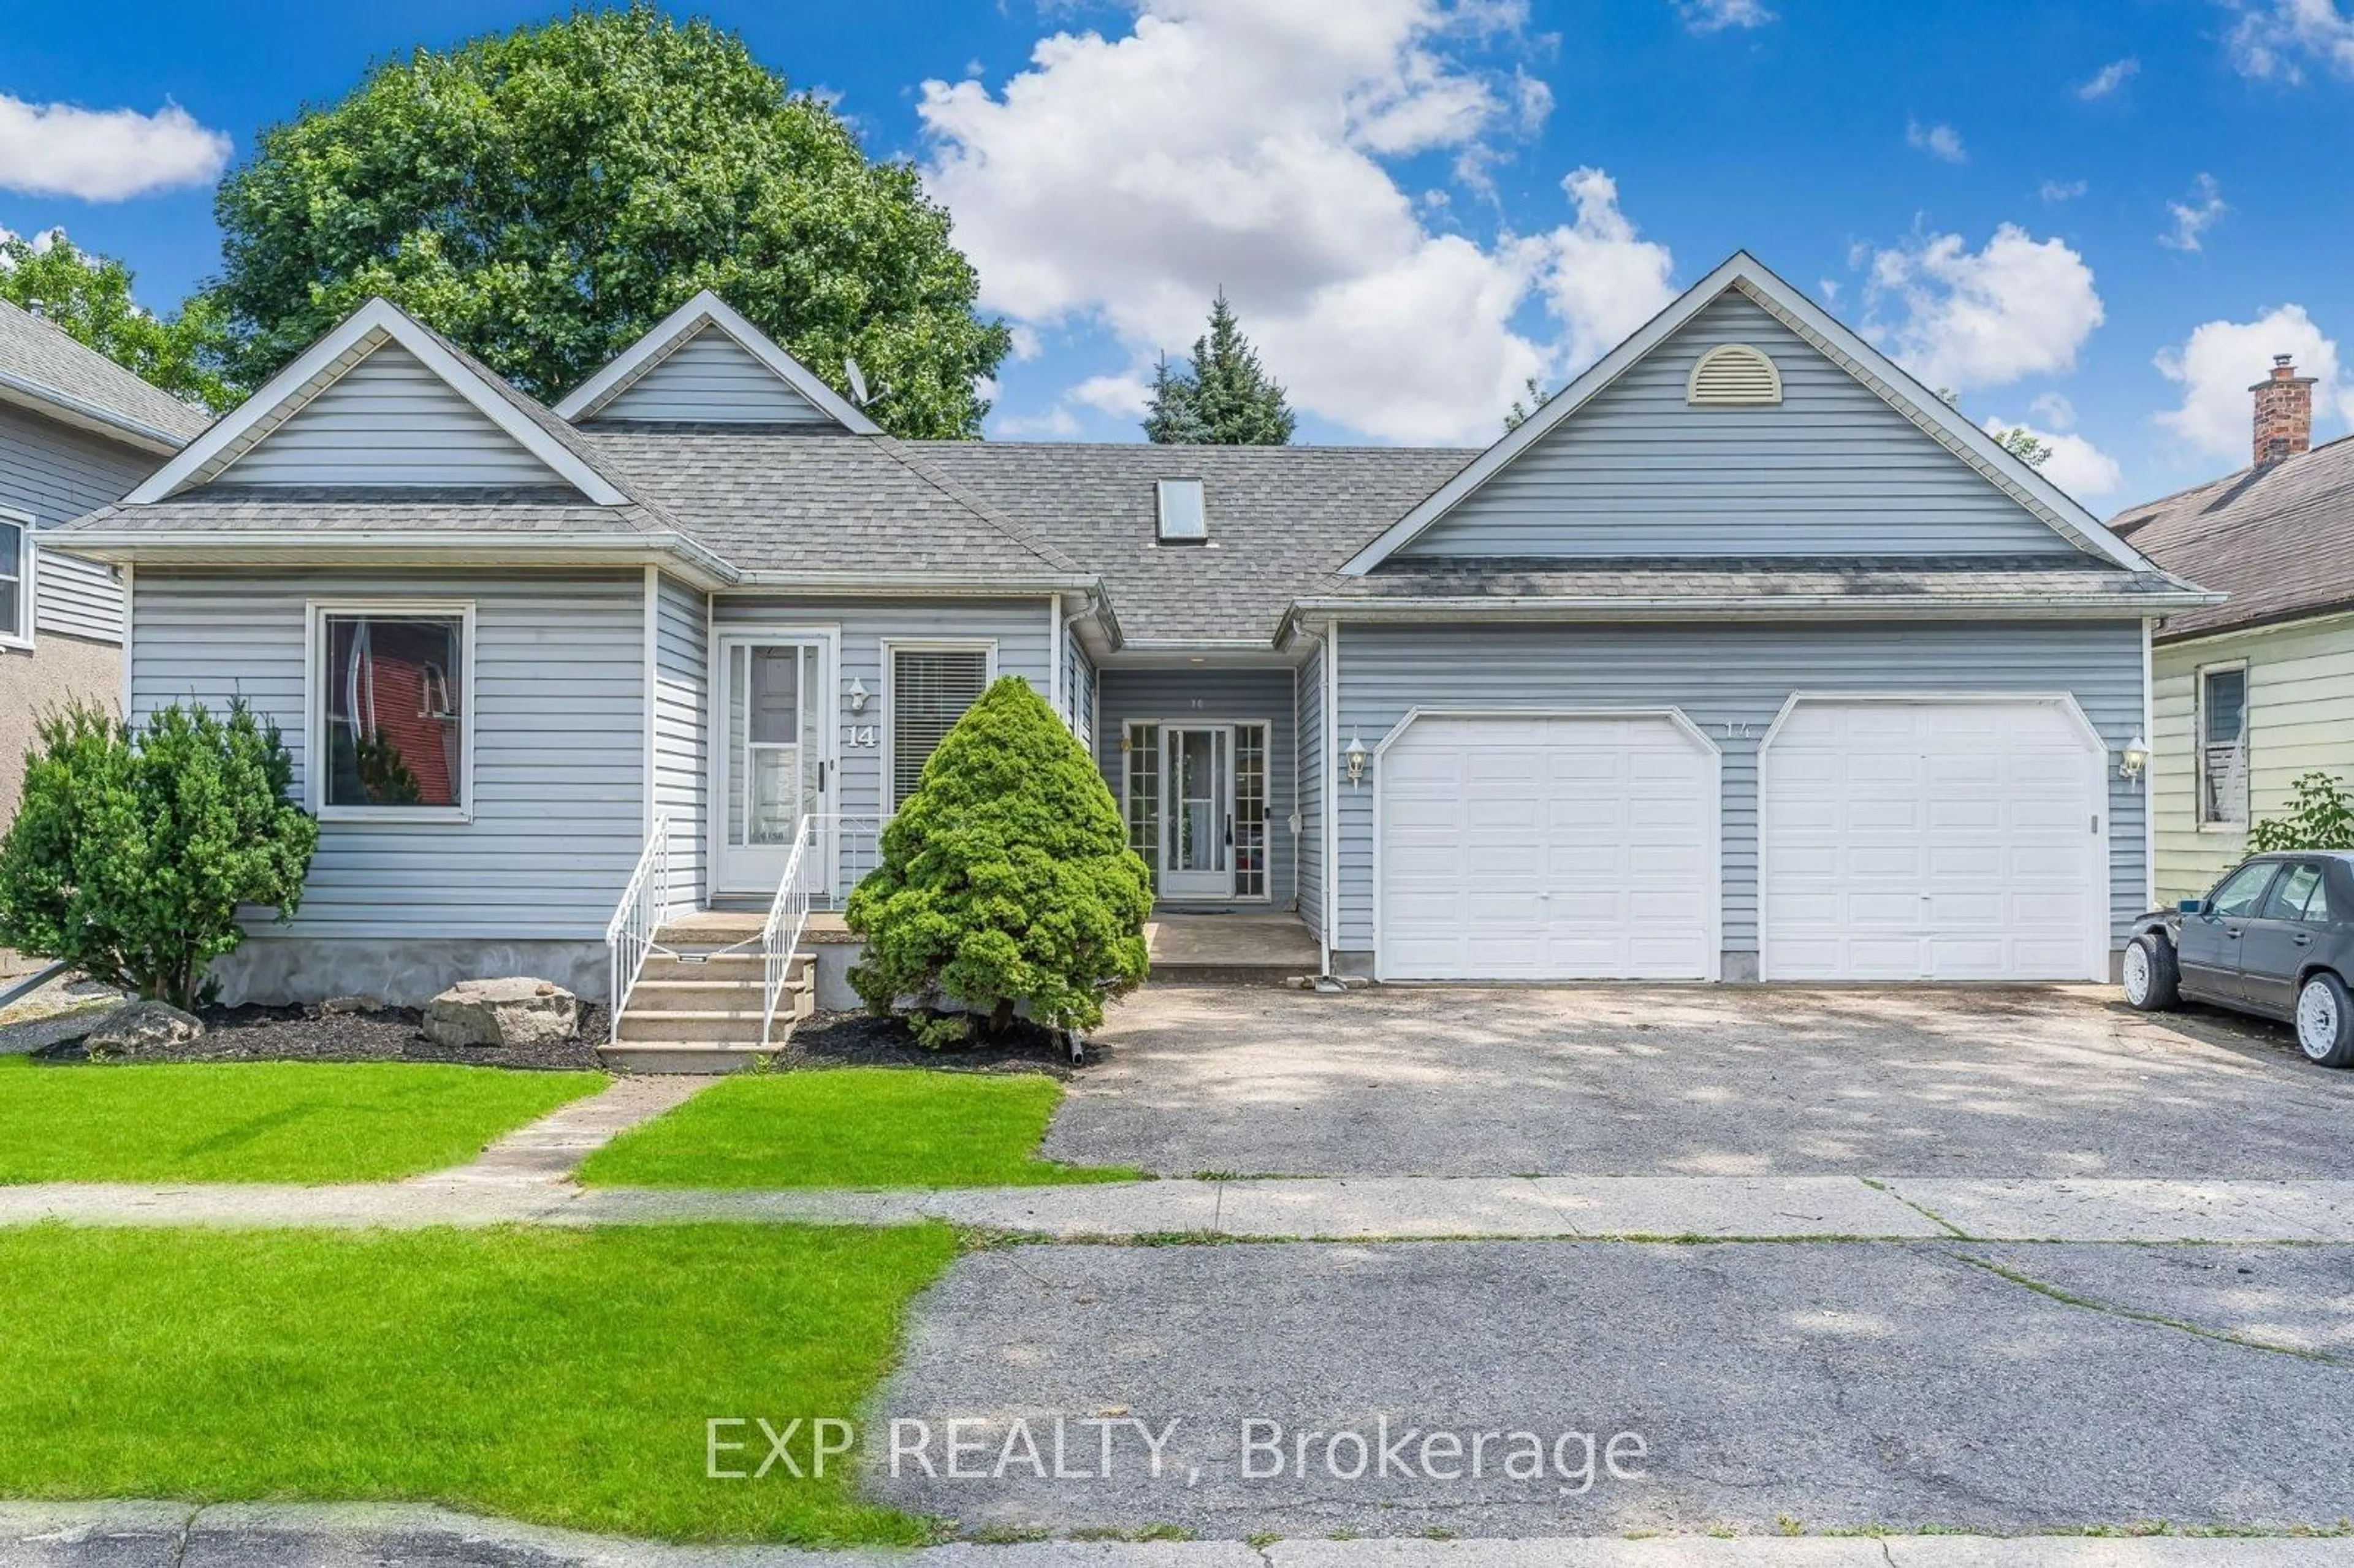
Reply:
x=1897, y=838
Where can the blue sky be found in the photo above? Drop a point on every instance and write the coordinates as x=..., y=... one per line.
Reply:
x=2098, y=219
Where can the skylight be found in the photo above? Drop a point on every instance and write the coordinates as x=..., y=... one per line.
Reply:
x=1182, y=516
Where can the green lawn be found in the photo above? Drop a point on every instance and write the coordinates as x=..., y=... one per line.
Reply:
x=261, y=1121
x=563, y=1377
x=849, y=1127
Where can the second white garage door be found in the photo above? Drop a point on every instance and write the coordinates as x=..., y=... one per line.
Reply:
x=1547, y=847
x=1932, y=839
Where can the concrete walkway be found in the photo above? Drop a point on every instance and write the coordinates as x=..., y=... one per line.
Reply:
x=549, y=1150
x=1401, y=1208
x=236, y=1535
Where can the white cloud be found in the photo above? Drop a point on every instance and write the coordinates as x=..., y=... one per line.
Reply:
x=60, y=149
x=2195, y=213
x=2275, y=40
x=2217, y=364
x=2075, y=465
x=1245, y=145
x=1963, y=319
x=2053, y=192
x=1123, y=396
x=1941, y=142
x=2109, y=77
x=1056, y=424
x=1717, y=15
x=2054, y=410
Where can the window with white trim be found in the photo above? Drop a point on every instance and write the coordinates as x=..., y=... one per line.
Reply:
x=16, y=579
x=931, y=687
x=2222, y=721
x=391, y=711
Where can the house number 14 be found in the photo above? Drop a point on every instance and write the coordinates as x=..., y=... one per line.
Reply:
x=863, y=734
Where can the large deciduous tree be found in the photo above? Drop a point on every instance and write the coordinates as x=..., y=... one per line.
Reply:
x=1224, y=397
x=545, y=195
x=88, y=297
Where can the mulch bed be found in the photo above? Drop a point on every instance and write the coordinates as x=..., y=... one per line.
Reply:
x=861, y=1040
x=393, y=1035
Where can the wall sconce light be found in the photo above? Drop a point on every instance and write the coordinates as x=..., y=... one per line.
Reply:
x=2135, y=758
x=1355, y=758
x=857, y=695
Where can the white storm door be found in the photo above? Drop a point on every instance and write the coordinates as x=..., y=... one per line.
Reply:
x=1197, y=814
x=1933, y=841
x=1547, y=847
x=775, y=768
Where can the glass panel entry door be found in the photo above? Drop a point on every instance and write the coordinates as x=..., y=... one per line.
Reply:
x=1197, y=816
x=774, y=697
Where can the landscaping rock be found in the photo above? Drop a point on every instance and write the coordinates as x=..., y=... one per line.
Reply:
x=340, y=1004
x=138, y=1027
x=516, y=1012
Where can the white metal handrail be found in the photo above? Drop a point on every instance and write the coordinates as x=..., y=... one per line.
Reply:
x=788, y=913
x=822, y=841
x=629, y=934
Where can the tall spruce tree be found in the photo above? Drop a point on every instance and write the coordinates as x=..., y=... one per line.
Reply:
x=1224, y=397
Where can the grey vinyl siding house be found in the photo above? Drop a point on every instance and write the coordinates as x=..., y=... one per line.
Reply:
x=1744, y=658
x=77, y=431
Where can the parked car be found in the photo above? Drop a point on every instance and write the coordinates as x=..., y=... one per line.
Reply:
x=2276, y=938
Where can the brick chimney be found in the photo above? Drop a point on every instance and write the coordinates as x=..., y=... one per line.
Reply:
x=2284, y=413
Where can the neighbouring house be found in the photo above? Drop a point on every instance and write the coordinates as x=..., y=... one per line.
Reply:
x=77, y=430
x=2249, y=694
x=1745, y=657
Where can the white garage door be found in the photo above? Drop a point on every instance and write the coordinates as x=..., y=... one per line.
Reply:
x=1547, y=848
x=1933, y=841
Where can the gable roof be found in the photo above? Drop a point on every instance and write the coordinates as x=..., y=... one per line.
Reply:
x=1280, y=517
x=43, y=368
x=1745, y=273
x=2278, y=540
x=708, y=312
x=318, y=368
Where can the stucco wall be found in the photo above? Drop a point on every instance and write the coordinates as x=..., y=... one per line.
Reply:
x=57, y=671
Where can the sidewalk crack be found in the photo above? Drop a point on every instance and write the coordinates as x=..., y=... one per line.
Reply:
x=1923, y=1210
x=180, y=1542
x=2135, y=1315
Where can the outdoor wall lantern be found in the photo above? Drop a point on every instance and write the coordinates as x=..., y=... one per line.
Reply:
x=2135, y=758
x=857, y=695
x=1355, y=758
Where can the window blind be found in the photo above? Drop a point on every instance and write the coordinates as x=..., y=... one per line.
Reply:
x=930, y=690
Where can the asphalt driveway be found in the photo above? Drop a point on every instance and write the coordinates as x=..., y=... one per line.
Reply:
x=1718, y=1081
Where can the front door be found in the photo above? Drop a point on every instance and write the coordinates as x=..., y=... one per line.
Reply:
x=775, y=766
x=2279, y=940
x=1197, y=812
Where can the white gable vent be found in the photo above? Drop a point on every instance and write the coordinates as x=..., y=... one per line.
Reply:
x=1182, y=517
x=1734, y=375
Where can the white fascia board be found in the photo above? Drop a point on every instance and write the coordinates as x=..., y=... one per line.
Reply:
x=708, y=308
x=321, y=366
x=82, y=414
x=410, y=548
x=911, y=587
x=1755, y=606
x=1875, y=370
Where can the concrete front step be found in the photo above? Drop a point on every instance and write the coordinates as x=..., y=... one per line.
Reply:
x=735, y=1018
x=701, y=1057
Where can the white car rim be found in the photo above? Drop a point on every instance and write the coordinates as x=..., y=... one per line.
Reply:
x=2316, y=1020
x=2137, y=974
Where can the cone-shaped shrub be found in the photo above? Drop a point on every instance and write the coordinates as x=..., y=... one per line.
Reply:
x=1006, y=881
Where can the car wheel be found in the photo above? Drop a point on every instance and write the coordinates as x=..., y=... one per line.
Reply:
x=2325, y=1021
x=2151, y=980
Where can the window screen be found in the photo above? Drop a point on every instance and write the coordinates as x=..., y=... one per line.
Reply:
x=2223, y=746
x=930, y=690
x=16, y=550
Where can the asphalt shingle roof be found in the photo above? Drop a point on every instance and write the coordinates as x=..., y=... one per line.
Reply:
x=40, y=358
x=1280, y=518
x=1912, y=580
x=823, y=505
x=2278, y=540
